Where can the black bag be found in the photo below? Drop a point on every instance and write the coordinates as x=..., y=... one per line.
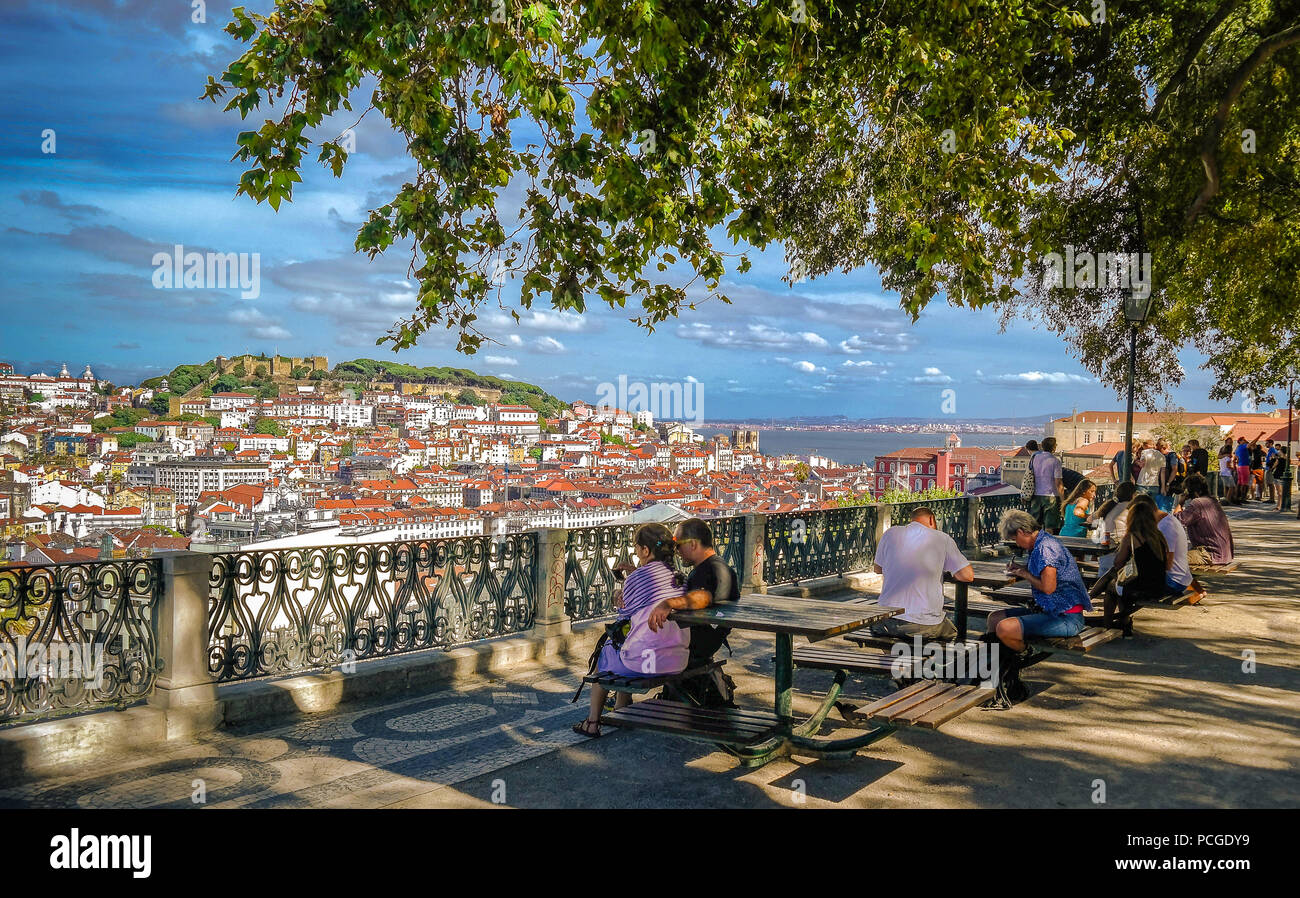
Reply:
x=710, y=689
x=615, y=634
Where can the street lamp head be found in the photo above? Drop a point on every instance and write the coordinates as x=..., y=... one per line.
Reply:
x=1137, y=305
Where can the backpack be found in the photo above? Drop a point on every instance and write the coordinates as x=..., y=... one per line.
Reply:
x=1027, y=485
x=711, y=689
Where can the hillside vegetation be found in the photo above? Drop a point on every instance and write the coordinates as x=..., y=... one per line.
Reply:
x=457, y=381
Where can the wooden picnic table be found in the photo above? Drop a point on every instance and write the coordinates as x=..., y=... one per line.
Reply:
x=787, y=617
x=1078, y=546
x=988, y=574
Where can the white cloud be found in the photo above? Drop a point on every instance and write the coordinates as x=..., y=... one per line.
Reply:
x=751, y=336
x=542, y=320
x=878, y=341
x=548, y=346
x=258, y=325
x=500, y=360
x=931, y=376
x=1034, y=378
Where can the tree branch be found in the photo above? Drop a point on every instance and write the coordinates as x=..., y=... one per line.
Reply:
x=1194, y=48
x=1210, y=142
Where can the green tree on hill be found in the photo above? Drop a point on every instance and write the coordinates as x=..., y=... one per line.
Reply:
x=269, y=426
x=159, y=404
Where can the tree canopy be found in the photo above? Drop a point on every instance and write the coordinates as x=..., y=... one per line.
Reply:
x=953, y=144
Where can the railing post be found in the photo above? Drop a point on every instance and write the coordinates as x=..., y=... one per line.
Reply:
x=974, y=508
x=551, y=618
x=882, y=521
x=751, y=578
x=184, y=684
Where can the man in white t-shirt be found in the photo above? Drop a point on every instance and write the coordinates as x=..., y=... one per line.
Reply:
x=1179, y=577
x=1152, y=462
x=913, y=559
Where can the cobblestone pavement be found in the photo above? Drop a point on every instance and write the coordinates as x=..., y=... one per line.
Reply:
x=1199, y=709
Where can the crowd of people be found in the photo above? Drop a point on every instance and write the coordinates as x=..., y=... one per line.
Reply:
x=1240, y=472
x=1163, y=521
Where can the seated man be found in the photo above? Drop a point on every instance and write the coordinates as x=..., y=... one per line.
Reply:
x=711, y=580
x=913, y=559
x=1208, y=534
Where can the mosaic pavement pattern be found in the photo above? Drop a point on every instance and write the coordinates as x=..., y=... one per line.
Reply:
x=366, y=756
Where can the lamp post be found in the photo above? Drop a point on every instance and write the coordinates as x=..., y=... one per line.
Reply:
x=1136, y=309
x=1284, y=504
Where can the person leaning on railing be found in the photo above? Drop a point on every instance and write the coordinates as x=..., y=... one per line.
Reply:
x=1057, y=589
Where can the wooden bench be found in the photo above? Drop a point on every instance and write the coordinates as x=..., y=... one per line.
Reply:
x=960, y=656
x=928, y=704
x=728, y=726
x=1086, y=640
x=1212, y=569
x=852, y=660
x=638, y=685
x=976, y=606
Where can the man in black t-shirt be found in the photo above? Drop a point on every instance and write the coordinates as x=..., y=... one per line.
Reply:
x=711, y=580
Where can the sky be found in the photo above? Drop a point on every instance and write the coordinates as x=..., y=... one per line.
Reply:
x=140, y=165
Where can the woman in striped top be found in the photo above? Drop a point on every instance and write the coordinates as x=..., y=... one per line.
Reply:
x=644, y=652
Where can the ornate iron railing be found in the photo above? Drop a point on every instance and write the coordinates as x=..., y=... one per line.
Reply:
x=592, y=552
x=77, y=637
x=991, y=509
x=949, y=514
x=289, y=610
x=801, y=545
x=590, y=555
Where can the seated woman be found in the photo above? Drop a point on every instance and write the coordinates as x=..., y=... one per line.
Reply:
x=1209, y=537
x=1056, y=584
x=1113, y=515
x=1076, y=509
x=1146, y=545
x=644, y=652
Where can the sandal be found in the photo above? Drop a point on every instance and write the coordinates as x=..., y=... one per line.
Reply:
x=582, y=728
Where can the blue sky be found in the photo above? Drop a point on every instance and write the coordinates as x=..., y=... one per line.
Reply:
x=141, y=164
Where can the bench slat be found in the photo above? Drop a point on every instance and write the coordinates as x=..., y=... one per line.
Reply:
x=667, y=707
x=893, y=699
x=957, y=706
x=720, y=725
x=931, y=705
x=923, y=699
x=1085, y=640
x=623, y=683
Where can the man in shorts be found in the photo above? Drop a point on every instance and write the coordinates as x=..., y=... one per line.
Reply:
x=1242, y=455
